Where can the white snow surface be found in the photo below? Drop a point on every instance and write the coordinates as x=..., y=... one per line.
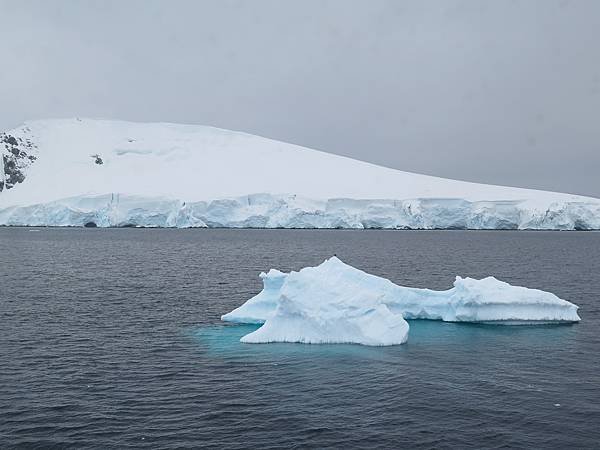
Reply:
x=169, y=175
x=330, y=303
x=337, y=303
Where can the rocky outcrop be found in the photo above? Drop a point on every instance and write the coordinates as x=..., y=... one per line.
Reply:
x=18, y=153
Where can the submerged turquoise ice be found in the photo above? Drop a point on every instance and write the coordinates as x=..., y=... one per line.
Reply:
x=337, y=303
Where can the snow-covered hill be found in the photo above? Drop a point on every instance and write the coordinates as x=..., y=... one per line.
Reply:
x=110, y=173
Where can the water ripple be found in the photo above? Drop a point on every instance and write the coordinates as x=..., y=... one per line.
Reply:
x=112, y=338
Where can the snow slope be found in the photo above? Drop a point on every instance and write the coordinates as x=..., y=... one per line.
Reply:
x=160, y=174
x=337, y=303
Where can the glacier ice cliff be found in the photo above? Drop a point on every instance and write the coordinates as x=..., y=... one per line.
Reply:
x=337, y=303
x=291, y=211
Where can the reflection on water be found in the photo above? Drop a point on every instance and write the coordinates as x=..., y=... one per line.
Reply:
x=223, y=340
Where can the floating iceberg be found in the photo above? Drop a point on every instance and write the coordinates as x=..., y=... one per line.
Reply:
x=337, y=303
x=330, y=303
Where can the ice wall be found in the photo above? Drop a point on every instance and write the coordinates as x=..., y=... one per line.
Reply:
x=290, y=211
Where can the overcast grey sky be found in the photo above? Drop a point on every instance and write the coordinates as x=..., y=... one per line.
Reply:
x=504, y=92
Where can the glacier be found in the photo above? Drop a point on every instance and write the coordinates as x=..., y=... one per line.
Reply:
x=291, y=211
x=337, y=303
x=73, y=172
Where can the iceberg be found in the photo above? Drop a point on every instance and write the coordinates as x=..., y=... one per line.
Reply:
x=73, y=172
x=330, y=303
x=337, y=303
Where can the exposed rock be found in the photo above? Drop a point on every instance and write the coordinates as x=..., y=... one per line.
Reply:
x=16, y=158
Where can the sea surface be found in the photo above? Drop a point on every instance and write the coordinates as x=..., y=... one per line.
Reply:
x=112, y=338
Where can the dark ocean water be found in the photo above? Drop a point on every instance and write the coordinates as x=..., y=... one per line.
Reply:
x=112, y=338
